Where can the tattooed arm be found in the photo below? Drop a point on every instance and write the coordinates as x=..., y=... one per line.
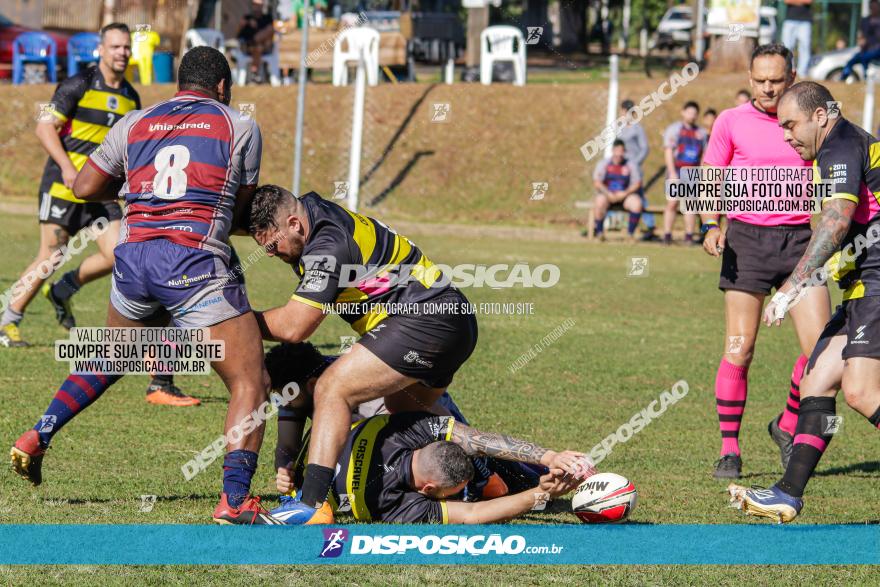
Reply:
x=827, y=237
x=502, y=446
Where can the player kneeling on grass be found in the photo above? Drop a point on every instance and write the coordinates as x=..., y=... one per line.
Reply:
x=617, y=182
x=847, y=355
x=302, y=365
x=414, y=332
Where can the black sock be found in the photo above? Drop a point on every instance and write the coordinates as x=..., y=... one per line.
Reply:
x=875, y=419
x=815, y=428
x=164, y=379
x=316, y=484
x=67, y=286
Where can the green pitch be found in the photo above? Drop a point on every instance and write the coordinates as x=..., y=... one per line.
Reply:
x=633, y=338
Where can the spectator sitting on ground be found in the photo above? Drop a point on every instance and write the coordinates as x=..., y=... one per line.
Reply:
x=617, y=182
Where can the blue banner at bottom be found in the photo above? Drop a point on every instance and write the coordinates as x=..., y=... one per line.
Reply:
x=409, y=544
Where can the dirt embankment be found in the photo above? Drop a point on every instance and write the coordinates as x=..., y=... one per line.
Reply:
x=476, y=166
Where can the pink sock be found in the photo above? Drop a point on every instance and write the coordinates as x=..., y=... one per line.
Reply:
x=788, y=421
x=731, y=389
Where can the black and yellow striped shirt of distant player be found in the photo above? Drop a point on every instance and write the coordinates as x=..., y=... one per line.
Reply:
x=87, y=107
x=340, y=238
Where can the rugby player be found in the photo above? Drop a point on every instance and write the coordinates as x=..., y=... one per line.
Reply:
x=635, y=140
x=406, y=356
x=407, y=467
x=758, y=252
x=683, y=145
x=83, y=108
x=188, y=168
x=303, y=364
x=618, y=182
x=407, y=359
x=847, y=355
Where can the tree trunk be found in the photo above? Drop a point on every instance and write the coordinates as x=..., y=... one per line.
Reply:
x=536, y=16
x=731, y=56
x=478, y=19
x=573, y=26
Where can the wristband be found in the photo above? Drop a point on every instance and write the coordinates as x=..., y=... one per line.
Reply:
x=782, y=301
x=707, y=226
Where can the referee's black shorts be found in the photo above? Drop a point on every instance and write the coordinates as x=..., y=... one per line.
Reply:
x=757, y=259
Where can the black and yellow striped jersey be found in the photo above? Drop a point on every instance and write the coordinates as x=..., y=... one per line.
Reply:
x=375, y=468
x=850, y=157
x=88, y=107
x=360, y=268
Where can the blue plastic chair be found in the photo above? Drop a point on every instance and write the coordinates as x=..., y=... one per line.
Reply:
x=33, y=47
x=82, y=48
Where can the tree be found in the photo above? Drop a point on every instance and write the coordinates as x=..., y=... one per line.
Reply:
x=572, y=25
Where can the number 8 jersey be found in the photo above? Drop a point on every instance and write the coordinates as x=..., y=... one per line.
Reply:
x=183, y=161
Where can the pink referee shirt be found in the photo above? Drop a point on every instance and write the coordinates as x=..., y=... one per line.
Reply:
x=746, y=137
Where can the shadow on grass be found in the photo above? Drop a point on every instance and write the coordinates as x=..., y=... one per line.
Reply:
x=866, y=467
x=160, y=498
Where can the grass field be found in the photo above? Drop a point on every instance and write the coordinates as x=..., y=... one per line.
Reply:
x=633, y=338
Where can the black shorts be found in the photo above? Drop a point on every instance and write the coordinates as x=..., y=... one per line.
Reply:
x=757, y=259
x=430, y=346
x=73, y=217
x=859, y=320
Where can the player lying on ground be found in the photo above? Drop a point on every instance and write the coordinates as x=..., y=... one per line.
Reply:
x=407, y=467
x=847, y=355
x=408, y=359
x=83, y=108
x=302, y=364
x=758, y=252
x=188, y=168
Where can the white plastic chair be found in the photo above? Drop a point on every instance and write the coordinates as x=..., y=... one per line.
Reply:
x=497, y=44
x=205, y=38
x=271, y=60
x=356, y=39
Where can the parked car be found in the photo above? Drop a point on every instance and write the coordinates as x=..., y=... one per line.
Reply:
x=676, y=26
x=829, y=66
x=10, y=30
x=674, y=29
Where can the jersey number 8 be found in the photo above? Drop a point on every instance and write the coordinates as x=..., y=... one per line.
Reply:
x=170, y=180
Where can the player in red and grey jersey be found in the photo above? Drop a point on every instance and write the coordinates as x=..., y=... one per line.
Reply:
x=185, y=158
x=188, y=168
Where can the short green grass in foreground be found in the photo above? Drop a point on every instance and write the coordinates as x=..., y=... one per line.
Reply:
x=633, y=338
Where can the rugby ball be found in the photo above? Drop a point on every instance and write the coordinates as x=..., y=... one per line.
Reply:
x=603, y=498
